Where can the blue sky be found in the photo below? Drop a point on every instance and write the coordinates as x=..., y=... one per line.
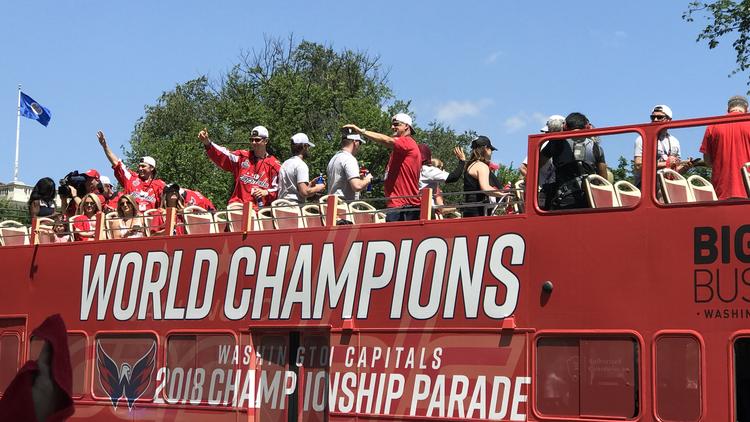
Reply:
x=499, y=68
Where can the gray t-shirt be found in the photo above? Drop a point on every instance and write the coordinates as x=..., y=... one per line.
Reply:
x=342, y=168
x=293, y=172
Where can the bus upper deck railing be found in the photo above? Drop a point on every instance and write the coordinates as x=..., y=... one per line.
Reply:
x=330, y=211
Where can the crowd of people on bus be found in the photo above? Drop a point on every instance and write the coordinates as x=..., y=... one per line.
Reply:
x=260, y=178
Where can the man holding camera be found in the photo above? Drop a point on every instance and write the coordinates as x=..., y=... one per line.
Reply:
x=404, y=165
x=74, y=186
x=143, y=185
x=344, y=176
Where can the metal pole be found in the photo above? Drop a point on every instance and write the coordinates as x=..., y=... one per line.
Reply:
x=18, y=135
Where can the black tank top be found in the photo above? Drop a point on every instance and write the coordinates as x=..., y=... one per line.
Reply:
x=471, y=184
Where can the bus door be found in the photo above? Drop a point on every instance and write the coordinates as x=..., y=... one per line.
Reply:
x=291, y=372
x=12, y=340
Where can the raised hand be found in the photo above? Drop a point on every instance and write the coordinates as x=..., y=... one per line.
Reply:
x=459, y=153
x=203, y=136
x=101, y=138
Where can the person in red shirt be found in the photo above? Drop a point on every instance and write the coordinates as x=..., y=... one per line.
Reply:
x=193, y=197
x=145, y=188
x=109, y=196
x=403, y=170
x=726, y=148
x=84, y=223
x=255, y=172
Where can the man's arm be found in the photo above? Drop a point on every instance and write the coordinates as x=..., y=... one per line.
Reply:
x=377, y=137
x=218, y=154
x=601, y=169
x=307, y=190
x=108, y=152
x=360, y=183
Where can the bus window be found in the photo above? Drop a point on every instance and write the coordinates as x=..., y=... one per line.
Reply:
x=588, y=172
x=587, y=377
x=678, y=378
x=77, y=350
x=742, y=379
x=9, y=355
x=119, y=352
x=194, y=360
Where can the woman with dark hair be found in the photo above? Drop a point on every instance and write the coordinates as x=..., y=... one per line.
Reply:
x=478, y=177
x=42, y=200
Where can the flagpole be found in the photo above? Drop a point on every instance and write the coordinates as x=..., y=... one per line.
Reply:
x=18, y=135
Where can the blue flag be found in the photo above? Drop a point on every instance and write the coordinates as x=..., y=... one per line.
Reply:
x=34, y=110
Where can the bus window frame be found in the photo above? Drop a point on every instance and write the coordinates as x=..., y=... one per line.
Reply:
x=158, y=362
x=701, y=348
x=535, y=143
x=586, y=334
x=198, y=331
x=738, y=334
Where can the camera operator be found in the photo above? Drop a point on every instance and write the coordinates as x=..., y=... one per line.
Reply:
x=74, y=186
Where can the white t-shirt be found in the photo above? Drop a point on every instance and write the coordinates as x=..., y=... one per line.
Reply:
x=666, y=146
x=293, y=172
x=341, y=169
x=431, y=176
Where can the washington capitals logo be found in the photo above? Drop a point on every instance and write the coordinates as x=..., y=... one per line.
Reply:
x=126, y=381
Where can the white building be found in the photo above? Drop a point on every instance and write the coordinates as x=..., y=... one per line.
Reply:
x=15, y=191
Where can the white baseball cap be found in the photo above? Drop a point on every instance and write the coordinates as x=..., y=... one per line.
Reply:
x=355, y=137
x=149, y=160
x=259, y=131
x=301, y=138
x=551, y=122
x=105, y=180
x=403, y=118
x=664, y=109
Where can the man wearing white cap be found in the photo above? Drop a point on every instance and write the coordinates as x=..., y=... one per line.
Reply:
x=667, y=147
x=255, y=172
x=404, y=165
x=546, y=180
x=344, y=177
x=109, y=197
x=294, y=176
x=145, y=188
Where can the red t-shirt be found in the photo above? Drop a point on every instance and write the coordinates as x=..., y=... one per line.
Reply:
x=193, y=197
x=402, y=173
x=111, y=205
x=249, y=172
x=81, y=223
x=728, y=145
x=147, y=194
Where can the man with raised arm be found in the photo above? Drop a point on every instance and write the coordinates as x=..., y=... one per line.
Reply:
x=255, y=172
x=726, y=148
x=145, y=188
x=344, y=176
x=294, y=176
x=404, y=165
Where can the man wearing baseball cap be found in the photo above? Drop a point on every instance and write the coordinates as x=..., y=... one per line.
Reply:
x=667, y=147
x=404, y=165
x=109, y=196
x=294, y=176
x=344, y=176
x=255, y=172
x=143, y=185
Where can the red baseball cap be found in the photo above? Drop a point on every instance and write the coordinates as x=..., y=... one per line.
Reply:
x=92, y=174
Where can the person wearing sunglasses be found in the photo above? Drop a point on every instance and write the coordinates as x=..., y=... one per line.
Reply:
x=401, y=183
x=85, y=221
x=255, y=171
x=667, y=147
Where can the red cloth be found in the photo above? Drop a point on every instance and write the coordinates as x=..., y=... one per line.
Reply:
x=17, y=403
x=193, y=197
x=728, y=145
x=147, y=194
x=111, y=205
x=249, y=172
x=81, y=223
x=402, y=174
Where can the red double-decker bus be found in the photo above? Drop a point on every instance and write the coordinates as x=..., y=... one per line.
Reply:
x=636, y=312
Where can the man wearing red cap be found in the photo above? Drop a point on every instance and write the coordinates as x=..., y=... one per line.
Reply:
x=404, y=165
x=255, y=172
x=145, y=188
x=90, y=184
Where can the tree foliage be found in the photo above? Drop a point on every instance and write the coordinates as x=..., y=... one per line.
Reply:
x=288, y=87
x=725, y=18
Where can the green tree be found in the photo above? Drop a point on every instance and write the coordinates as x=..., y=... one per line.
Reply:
x=726, y=18
x=11, y=210
x=288, y=87
x=624, y=170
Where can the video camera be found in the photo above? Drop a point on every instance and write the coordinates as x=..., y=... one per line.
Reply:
x=74, y=179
